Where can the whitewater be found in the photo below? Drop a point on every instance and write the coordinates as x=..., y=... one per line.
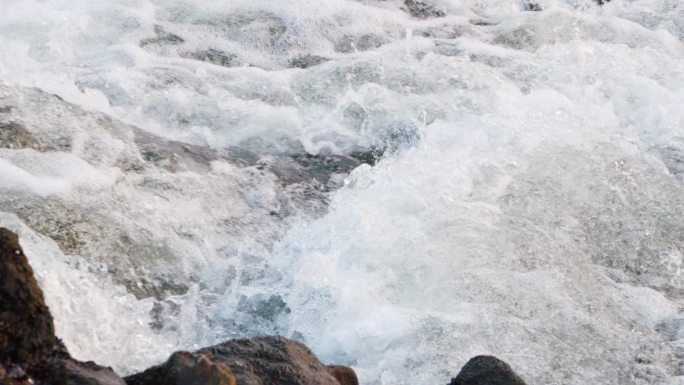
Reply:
x=399, y=191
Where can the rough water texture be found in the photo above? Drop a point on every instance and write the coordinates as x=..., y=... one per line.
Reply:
x=192, y=181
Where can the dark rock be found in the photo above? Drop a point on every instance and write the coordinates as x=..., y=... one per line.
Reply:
x=343, y=374
x=30, y=353
x=66, y=371
x=423, y=9
x=307, y=61
x=13, y=375
x=216, y=57
x=256, y=361
x=371, y=156
x=171, y=155
x=162, y=37
x=27, y=334
x=530, y=5
x=487, y=370
x=482, y=22
x=184, y=368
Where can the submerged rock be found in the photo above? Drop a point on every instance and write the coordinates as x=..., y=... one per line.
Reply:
x=530, y=5
x=216, y=57
x=487, y=370
x=351, y=43
x=14, y=135
x=162, y=37
x=423, y=9
x=307, y=61
x=256, y=361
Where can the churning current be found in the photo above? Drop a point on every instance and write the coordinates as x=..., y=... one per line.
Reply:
x=400, y=186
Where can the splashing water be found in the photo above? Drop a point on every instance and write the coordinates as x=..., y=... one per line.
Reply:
x=192, y=181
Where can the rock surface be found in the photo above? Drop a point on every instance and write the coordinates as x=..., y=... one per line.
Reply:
x=423, y=9
x=256, y=361
x=487, y=370
x=67, y=371
x=184, y=368
x=30, y=353
x=27, y=334
x=343, y=374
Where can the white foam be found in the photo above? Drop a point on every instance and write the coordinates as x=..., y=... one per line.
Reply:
x=529, y=203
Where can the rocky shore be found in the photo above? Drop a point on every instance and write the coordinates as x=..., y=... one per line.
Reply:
x=31, y=353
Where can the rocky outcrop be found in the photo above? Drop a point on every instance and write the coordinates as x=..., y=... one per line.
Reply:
x=256, y=361
x=343, y=374
x=67, y=371
x=487, y=370
x=184, y=368
x=27, y=334
x=30, y=353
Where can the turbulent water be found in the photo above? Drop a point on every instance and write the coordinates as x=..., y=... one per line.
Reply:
x=399, y=190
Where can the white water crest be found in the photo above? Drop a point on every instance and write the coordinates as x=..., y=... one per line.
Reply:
x=183, y=172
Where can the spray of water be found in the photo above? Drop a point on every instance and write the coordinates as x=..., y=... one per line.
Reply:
x=190, y=181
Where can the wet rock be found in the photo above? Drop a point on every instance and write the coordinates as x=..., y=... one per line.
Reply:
x=27, y=334
x=523, y=38
x=343, y=374
x=350, y=43
x=307, y=61
x=529, y=5
x=307, y=168
x=216, y=57
x=66, y=371
x=13, y=375
x=672, y=157
x=173, y=156
x=184, y=368
x=14, y=135
x=423, y=9
x=487, y=370
x=162, y=37
x=30, y=353
x=256, y=361
x=371, y=156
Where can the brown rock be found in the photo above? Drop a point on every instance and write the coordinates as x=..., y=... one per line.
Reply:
x=343, y=374
x=30, y=353
x=67, y=371
x=27, y=334
x=184, y=368
x=487, y=370
x=256, y=361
